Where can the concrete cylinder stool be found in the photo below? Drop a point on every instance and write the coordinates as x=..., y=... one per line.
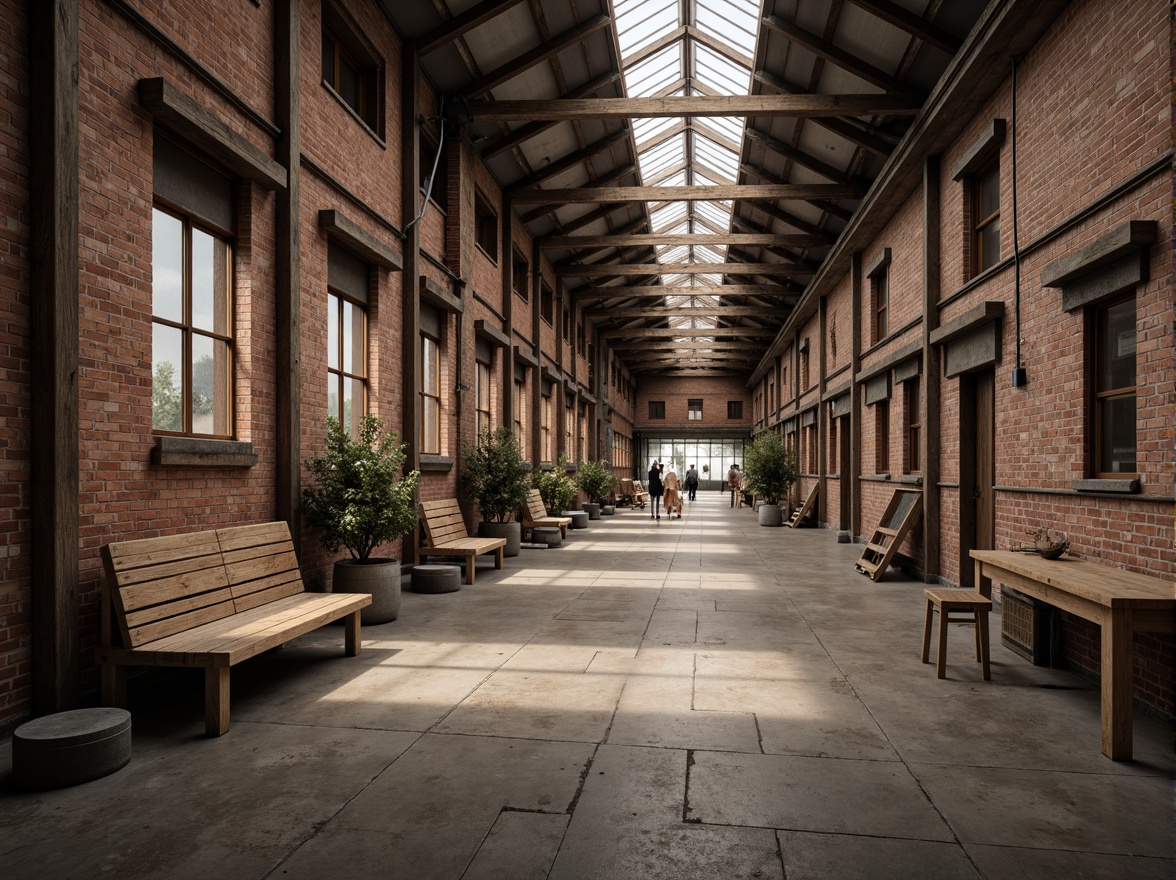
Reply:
x=549, y=535
x=68, y=748
x=608, y=510
x=436, y=578
x=579, y=518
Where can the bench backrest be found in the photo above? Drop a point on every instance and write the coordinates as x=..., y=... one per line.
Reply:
x=442, y=521
x=535, y=508
x=627, y=487
x=163, y=586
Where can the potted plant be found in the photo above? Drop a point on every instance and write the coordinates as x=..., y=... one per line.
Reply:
x=556, y=487
x=359, y=501
x=494, y=475
x=769, y=469
x=596, y=481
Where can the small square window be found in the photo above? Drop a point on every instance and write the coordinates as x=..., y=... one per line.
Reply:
x=351, y=69
x=485, y=227
x=547, y=304
x=694, y=410
x=879, y=306
x=657, y=409
x=518, y=276
x=734, y=409
x=984, y=194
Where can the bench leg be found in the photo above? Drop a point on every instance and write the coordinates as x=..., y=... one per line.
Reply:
x=1117, y=685
x=982, y=630
x=470, y=570
x=499, y=556
x=114, y=685
x=216, y=700
x=351, y=637
x=927, y=620
x=941, y=657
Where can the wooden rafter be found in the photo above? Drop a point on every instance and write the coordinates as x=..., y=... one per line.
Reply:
x=525, y=132
x=718, y=345
x=547, y=49
x=711, y=193
x=476, y=15
x=783, y=270
x=716, y=332
x=684, y=311
x=917, y=27
x=572, y=160
x=866, y=137
x=801, y=106
x=657, y=290
x=619, y=240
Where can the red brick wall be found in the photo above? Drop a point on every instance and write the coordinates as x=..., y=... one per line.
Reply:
x=714, y=392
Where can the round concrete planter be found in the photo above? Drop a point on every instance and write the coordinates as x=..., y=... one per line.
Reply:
x=70, y=747
x=579, y=518
x=377, y=575
x=769, y=515
x=549, y=535
x=593, y=509
x=436, y=578
x=608, y=510
x=512, y=531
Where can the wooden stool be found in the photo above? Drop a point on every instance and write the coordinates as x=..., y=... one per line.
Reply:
x=969, y=606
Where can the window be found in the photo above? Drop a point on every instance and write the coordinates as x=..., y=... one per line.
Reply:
x=519, y=412
x=547, y=304
x=657, y=409
x=567, y=325
x=882, y=437
x=879, y=305
x=545, y=425
x=569, y=427
x=582, y=438
x=912, y=411
x=485, y=227
x=347, y=347
x=734, y=409
x=581, y=339
x=482, y=396
x=518, y=276
x=1114, y=390
x=833, y=447
x=351, y=71
x=192, y=344
x=784, y=394
x=985, y=198
x=430, y=396
x=804, y=370
x=694, y=410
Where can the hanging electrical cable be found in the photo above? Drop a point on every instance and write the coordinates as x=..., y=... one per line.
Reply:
x=440, y=117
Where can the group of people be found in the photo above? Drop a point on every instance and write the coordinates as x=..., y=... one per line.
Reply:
x=663, y=483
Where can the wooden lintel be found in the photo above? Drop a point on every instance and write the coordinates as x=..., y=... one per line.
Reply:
x=341, y=228
x=802, y=106
x=718, y=192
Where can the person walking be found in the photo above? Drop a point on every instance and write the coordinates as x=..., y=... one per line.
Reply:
x=691, y=482
x=655, y=490
x=734, y=478
x=673, y=502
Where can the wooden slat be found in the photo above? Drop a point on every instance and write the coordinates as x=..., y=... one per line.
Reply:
x=139, y=636
x=128, y=555
x=159, y=593
x=289, y=581
x=244, y=569
x=252, y=535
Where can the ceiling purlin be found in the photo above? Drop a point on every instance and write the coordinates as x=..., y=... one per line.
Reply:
x=512, y=139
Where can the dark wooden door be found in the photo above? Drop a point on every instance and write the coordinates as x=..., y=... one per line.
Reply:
x=977, y=468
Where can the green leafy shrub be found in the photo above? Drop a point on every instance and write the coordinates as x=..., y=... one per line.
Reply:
x=494, y=474
x=770, y=468
x=596, y=480
x=556, y=487
x=358, y=501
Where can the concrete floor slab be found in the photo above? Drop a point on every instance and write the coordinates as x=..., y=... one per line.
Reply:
x=876, y=798
x=1045, y=864
x=849, y=857
x=520, y=845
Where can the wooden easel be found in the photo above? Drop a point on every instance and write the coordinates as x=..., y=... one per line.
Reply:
x=801, y=512
x=899, y=518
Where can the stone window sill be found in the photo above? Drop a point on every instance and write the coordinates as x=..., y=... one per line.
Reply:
x=194, y=452
x=440, y=464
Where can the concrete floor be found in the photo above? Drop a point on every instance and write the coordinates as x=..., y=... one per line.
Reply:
x=702, y=698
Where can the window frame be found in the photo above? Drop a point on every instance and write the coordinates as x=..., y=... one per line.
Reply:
x=978, y=224
x=430, y=395
x=519, y=282
x=188, y=223
x=344, y=300
x=694, y=409
x=882, y=437
x=368, y=66
x=879, y=305
x=485, y=227
x=546, y=304
x=736, y=407
x=1099, y=397
x=518, y=414
x=657, y=410
x=484, y=414
x=913, y=427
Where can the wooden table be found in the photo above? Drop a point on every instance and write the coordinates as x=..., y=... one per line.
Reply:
x=1121, y=602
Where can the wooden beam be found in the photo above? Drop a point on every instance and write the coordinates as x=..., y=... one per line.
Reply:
x=717, y=345
x=765, y=239
x=856, y=133
x=476, y=15
x=539, y=54
x=845, y=60
x=623, y=269
x=659, y=312
x=716, y=332
x=526, y=132
x=603, y=182
x=713, y=193
x=410, y=317
x=572, y=160
x=914, y=25
x=800, y=106
x=653, y=357
x=53, y=442
x=657, y=290
x=719, y=47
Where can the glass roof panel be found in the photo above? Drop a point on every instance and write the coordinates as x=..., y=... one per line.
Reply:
x=640, y=22
x=653, y=74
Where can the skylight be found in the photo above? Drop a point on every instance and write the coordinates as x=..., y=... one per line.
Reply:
x=687, y=152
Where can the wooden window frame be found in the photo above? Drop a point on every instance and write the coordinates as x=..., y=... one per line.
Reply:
x=882, y=437
x=546, y=304
x=345, y=46
x=879, y=305
x=545, y=428
x=1100, y=397
x=187, y=330
x=484, y=418
x=519, y=282
x=342, y=301
x=693, y=406
x=913, y=429
x=485, y=228
x=431, y=445
x=977, y=223
x=518, y=415
x=657, y=410
x=736, y=407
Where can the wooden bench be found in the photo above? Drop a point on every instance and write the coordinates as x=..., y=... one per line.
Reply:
x=1121, y=602
x=444, y=533
x=535, y=514
x=209, y=599
x=640, y=496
